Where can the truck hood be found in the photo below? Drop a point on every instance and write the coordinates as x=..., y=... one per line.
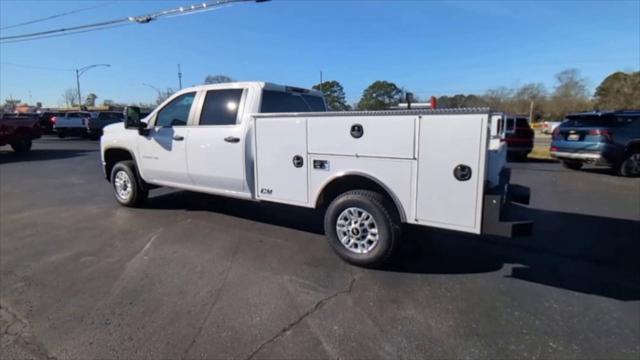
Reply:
x=116, y=127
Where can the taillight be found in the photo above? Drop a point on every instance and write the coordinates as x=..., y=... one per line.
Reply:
x=54, y=119
x=608, y=135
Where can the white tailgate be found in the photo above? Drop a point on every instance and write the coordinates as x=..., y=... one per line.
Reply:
x=278, y=140
x=446, y=141
x=385, y=136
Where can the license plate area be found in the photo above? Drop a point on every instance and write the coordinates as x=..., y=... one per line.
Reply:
x=573, y=137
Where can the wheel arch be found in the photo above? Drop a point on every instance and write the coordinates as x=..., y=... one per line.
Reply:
x=356, y=180
x=113, y=155
x=633, y=145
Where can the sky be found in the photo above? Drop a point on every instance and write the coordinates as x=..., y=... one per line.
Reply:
x=428, y=47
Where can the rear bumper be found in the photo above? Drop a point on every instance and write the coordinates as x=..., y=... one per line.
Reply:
x=496, y=219
x=589, y=157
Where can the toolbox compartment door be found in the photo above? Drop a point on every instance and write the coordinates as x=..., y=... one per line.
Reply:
x=451, y=171
x=366, y=136
x=281, y=160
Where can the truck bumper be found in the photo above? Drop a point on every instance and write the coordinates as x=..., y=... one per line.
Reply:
x=495, y=213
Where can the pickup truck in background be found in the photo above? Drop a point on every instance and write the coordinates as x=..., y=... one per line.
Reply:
x=71, y=124
x=367, y=171
x=99, y=120
x=19, y=132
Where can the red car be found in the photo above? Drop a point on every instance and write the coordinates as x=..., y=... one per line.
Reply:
x=519, y=138
x=18, y=131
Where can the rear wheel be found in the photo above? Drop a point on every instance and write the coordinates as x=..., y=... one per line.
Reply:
x=127, y=185
x=630, y=167
x=362, y=227
x=573, y=165
x=22, y=145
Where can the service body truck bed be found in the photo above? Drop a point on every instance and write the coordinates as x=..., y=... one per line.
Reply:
x=369, y=171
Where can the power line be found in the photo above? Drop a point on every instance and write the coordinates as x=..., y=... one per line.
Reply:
x=64, y=34
x=144, y=19
x=56, y=16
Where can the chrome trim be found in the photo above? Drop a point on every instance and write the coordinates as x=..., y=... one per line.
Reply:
x=579, y=156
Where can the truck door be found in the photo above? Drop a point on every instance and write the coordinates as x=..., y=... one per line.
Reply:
x=216, y=144
x=451, y=170
x=162, y=151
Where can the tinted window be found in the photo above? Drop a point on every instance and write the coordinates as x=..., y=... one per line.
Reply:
x=283, y=102
x=111, y=116
x=221, y=107
x=176, y=113
x=522, y=122
x=78, y=115
x=599, y=121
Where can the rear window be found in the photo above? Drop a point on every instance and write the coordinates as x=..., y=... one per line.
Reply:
x=283, y=102
x=522, y=122
x=78, y=115
x=599, y=121
x=111, y=116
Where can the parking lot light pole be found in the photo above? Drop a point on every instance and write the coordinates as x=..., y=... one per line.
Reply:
x=81, y=71
x=154, y=88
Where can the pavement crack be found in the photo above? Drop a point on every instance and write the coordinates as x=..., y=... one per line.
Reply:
x=218, y=295
x=308, y=313
x=21, y=334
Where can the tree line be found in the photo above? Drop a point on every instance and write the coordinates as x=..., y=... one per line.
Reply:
x=619, y=90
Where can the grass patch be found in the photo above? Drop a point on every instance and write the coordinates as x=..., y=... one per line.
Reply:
x=540, y=152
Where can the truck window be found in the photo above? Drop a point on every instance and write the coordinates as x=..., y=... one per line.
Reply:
x=220, y=107
x=176, y=113
x=284, y=102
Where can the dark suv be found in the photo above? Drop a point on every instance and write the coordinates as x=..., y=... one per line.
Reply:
x=519, y=138
x=600, y=138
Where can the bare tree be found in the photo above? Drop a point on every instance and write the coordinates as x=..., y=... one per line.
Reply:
x=69, y=96
x=217, y=79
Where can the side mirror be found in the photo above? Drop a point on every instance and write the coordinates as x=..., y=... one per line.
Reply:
x=131, y=117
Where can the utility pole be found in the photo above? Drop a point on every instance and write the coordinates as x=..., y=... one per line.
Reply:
x=531, y=112
x=78, y=87
x=320, y=79
x=179, y=78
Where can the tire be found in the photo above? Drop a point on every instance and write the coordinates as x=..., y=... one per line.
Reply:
x=572, y=165
x=62, y=134
x=630, y=167
x=128, y=188
x=21, y=146
x=347, y=212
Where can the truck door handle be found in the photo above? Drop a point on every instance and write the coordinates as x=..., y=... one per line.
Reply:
x=232, y=139
x=178, y=137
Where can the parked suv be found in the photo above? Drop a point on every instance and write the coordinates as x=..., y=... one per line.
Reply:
x=519, y=138
x=600, y=138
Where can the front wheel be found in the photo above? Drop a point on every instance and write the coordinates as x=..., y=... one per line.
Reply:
x=126, y=184
x=22, y=145
x=630, y=167
x=362, y=227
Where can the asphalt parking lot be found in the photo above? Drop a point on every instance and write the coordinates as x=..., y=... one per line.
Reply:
x=199, y=276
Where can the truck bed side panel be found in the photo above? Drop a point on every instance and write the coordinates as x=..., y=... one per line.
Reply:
x=281, y=160
x=446, y=142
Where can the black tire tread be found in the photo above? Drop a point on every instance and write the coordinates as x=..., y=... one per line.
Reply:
x=392, y=218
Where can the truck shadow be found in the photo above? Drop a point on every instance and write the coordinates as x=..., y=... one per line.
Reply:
x=8, y=156
x=577, y=252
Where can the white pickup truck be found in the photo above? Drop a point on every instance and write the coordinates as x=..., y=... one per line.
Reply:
x=73, y=123
x=369, y=172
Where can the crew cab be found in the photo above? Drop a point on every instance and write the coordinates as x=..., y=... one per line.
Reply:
x=73, y=123
x=18, y=131
x=368, y=171
x=609, y=138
